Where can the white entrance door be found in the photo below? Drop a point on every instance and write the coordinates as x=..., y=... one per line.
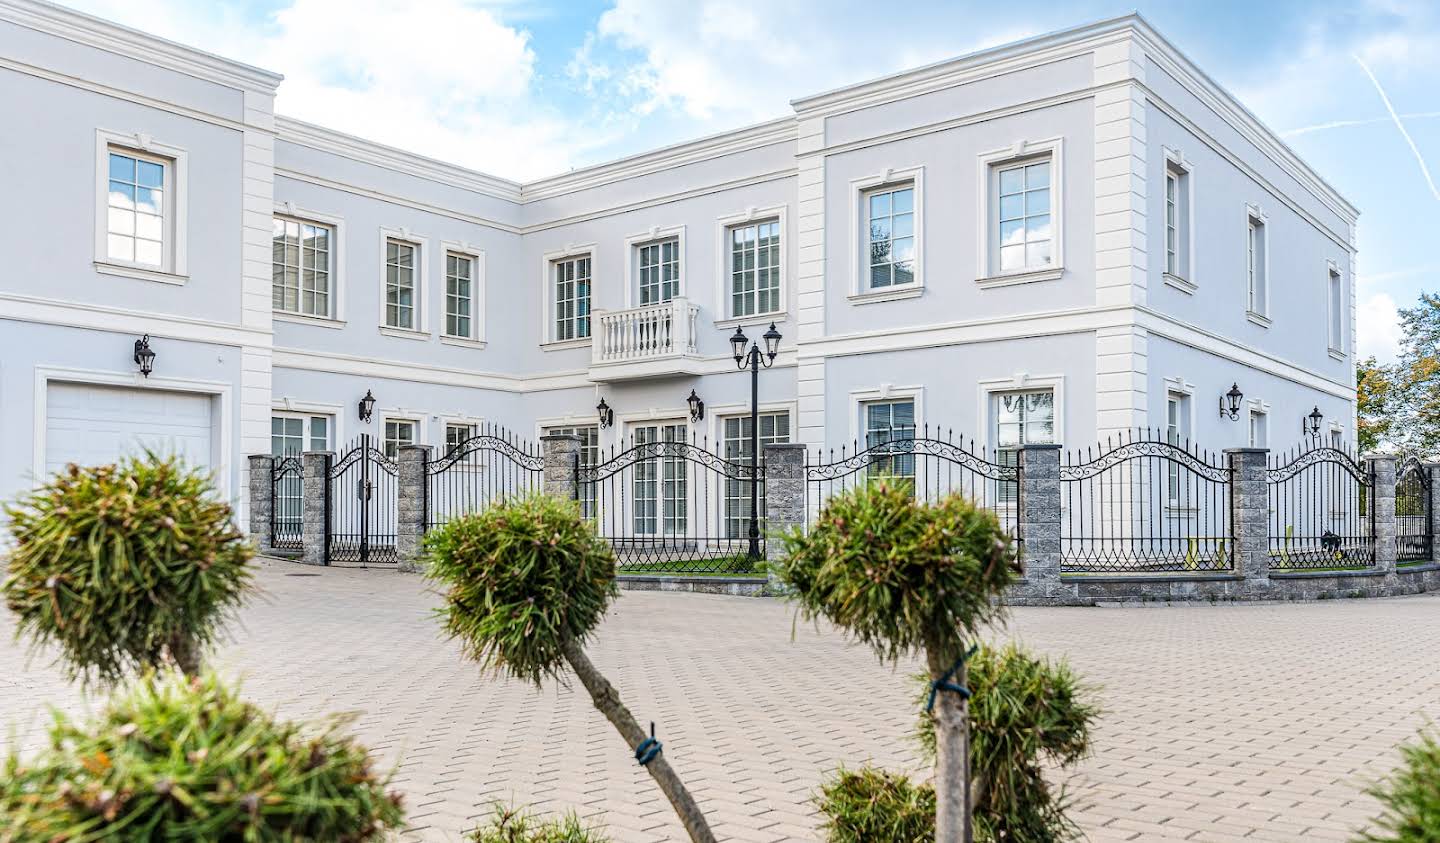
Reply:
x=95, y=425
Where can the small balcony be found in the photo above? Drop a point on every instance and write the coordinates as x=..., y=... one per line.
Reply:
x=656, y=340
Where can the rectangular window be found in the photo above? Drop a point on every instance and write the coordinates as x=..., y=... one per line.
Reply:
x=755, y=268
x=735, y=436
x=1172, y=222
x=659, y=271
x=456, y=434
x=572, y=298
x=1021, y=418
x=1023, y=231
x=1336, y=294
x=300, y=267
x=398, y=432
x=589, y=456
x=890, y=236
x=661, y=485
x=292, y=435
x=1255, y=280
x=1177, y=432
x=886, y=422
x=1258, y=434
x=137, y=209
x=459, y=295
x=400, y=263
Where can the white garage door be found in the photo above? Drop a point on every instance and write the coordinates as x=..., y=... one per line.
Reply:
x=94, y=425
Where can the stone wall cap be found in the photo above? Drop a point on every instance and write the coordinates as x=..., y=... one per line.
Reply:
x=1246, y=451
x=559, y=437
x=785, y=446
x=1039, y=447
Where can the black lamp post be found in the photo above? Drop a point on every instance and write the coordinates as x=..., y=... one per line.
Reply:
x=1230, y=402
x=144, y=357
x=1312, y=421
x=367, y=407
x=607, y=415
x=697, y=407
x=755, y=358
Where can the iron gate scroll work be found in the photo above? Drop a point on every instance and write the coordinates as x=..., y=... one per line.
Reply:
x=672, y=507
x=481, y=470
x=287, y=496
x=1322, y=512
x=1145, y=504
x=1414, y=501
x=361, y=499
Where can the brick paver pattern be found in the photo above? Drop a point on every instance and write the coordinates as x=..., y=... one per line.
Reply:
x=1257, y=722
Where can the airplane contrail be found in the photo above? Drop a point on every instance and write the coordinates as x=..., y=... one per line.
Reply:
x=1419, y=159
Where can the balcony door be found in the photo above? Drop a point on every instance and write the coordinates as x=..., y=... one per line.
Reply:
x=660, y=492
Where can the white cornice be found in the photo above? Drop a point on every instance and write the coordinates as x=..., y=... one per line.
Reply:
x=132, y=43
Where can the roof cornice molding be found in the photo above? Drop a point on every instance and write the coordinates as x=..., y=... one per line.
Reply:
x=132, y=43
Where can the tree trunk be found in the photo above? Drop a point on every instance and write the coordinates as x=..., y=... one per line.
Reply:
x=952, y=752
x=608, y=702
x=184, y=653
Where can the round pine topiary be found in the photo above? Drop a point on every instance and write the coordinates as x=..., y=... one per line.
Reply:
x=1410, y=795
x=183, y=758
x=122, y=565
x=869, y=804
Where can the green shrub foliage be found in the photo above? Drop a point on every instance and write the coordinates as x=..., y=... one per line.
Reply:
x=177, y=758
x=870, y=805
x=1027, y=713
x=898, y=574
x=1411, y=795
x=520, y=578
x=118, y=565
x=517, y=825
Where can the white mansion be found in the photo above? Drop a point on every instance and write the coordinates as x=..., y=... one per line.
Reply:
x=1050, y=241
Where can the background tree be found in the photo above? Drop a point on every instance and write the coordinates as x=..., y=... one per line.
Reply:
x=1399, y=403
x=526, y=583
x=907, y=577
x=125, y=566
x=1374, y=395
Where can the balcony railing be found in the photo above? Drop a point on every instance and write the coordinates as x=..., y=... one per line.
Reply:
x=653, y=340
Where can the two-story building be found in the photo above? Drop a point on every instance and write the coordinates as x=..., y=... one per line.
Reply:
x=1054, y=240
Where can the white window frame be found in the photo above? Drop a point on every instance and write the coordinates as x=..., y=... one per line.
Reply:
x=860, y=188
x=306, y=418
x=1336, y=429
x=421, y=331
x=1182, y=392
x=885, y=392
x=1257, y=226
x=337, y=412
x=633, y=244
x=476, y=339
x=401, y=416
x=718, y=437
x=1336, y=310
x=1255, y=408
x=547, y=284
x=475, y=423
x=289, y=211
x=750, y=216
x=990, y=164
x=174, y=264
x=1018, y=382
x=1176, y=165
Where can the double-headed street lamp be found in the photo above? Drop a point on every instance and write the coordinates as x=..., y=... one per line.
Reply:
x=755, y=358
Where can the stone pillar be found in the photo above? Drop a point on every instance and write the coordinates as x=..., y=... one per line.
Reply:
x=411, y=505
x=1432, y=472
x=262, y=500
x=1382, y=474
x=784, y=489
x=1039, y=518
x=315, y=509
x=1250, y=515
x=562, y=462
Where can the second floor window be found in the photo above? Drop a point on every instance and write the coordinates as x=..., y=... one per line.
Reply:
x=300, y=267
x=755, y=268
x=400, y=284
x=459, y=295
x=659, y=271
x=890, y=233
x=136, y=209
x=572, y=298
x=1023, y=221
x=1336, y=295
x=1256, y=294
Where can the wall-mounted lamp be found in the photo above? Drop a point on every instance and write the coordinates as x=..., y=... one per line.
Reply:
x=697, y=407
x=367, y=407
x=1312, y=421
x=144, y=357
x=607, y=415
x=1230, y=402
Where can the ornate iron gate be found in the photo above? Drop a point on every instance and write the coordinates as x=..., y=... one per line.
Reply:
x=479, y=471
x=1322, y=511
x=1414, y=527
x=360, y=501
x=287, y=496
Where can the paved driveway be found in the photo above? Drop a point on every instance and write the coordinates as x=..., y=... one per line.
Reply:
x=1222, y=722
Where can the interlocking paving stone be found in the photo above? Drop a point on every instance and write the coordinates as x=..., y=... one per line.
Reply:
x=1230, y=722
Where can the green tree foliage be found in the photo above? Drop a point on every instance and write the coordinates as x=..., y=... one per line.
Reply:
x=516, y=825
x=182, y=758
x=1411, y=796
x=1400, y=402
x=870, y=805
x=123, y=565
x=1374, y=397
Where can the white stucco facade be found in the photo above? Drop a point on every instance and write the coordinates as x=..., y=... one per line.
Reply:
x=1135, y=303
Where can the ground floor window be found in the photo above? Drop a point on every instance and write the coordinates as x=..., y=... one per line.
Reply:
x=455, y=435
x=661, y=486
x=735, y=443
x=886, y=422
x=589, y=455
x=398, y=432
x=294, y=434
x=1020, y=418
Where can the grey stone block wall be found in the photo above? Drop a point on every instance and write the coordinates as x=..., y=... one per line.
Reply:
x=1039, y=520
x=411, y=504
x=313, y=513
x=1250, y=515
x=562, y=461
x=784, y=489
x=262, y=500
x=1433, y=471
x=1382, y=468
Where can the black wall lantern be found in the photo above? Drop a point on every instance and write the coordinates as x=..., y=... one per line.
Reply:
x=607, y=415
x=1312, y=421
x=1230, y=402
x=144, y=357
x=697, y=407
x=367, y=407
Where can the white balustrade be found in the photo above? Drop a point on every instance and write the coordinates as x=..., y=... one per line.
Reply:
x=644, y=333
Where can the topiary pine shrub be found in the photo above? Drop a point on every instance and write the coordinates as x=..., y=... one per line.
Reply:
x=906, y=577
x=517, y=825
x=1410, y=796
x=125, y=566
x=183, y=758
x=869, y=804
x=525, y=584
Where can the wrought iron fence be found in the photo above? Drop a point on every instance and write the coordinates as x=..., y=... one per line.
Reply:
x=1145, y=503
x=1322, y=512
x=485, y=468
x=931, y=465
x=287, y=496
x=360, y=503
x=1414, y=526
x=665, y=505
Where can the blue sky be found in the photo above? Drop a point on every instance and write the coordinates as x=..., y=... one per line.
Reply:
x=526, y=89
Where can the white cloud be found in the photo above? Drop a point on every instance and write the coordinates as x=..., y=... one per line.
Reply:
x=1378, y=327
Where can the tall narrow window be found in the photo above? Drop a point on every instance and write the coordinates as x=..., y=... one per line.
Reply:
x=400, y=284
x=136, y=209
x=1177, y=432
x=1258, y=437
x=887, y=422
x=890, y=231
x=459, y=297
x=1177, y=221
x=774, y=429
x=755, y=268
x=659, y=271
x=1256, y=294
x=300, y=267
x=1336, y=294
x=572, y=298
x=1024, y=232
x=1021, y=418
x=661, y=486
